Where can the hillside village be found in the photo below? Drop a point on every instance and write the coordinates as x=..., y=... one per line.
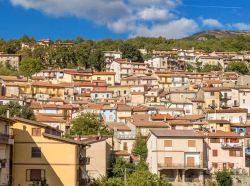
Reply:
x=193, y=122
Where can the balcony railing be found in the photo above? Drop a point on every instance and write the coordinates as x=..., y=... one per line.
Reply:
x=4, y=138
x=232, y=145
x=179, y=165
x=226, y=97
x=125, y=136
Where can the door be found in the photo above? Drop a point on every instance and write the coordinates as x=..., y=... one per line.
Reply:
x=168, y=161
x=190, y=161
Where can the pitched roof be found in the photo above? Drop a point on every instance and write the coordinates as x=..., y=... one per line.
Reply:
x=230, y=110
x=142, y=120
x=176, y=133
x=220, y=133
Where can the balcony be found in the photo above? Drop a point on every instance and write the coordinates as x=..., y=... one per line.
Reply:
x=225, y=97
x=231, y=145
x=4, y=138
x=125, y=136
x=179, y=166
x=84, y=160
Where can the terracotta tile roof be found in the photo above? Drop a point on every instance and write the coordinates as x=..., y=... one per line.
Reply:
x=95, y=106
x=13, y=78
x=161, y=117
x=191, y=117
x=218, y=121
x=215, y=89
x=104, y=73
x=123, y=107
x=230, y=110
x=219, y=133
x=120, y=153
x=180, y=122
x=176, y=133
x=118, y=127
x=44, y=118
x=213, y=81
x=140, y=109
x=48, y=84
x=142, y=120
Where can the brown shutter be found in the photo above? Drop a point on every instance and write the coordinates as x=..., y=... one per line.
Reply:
x=35, y=175
x=125, y=146
x=167, y=143
x=190, y=161
x=215, y=165
x=232, y=153
x=215, y=152
x=168, y=161
x=191, y=143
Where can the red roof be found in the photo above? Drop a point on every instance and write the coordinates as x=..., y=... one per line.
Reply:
x=220, y=133
x=104, y=73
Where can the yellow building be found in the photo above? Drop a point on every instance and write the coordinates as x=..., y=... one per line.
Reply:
x=5, y=149
x=40, y=153
x=222, y=125
x=109, y=77
x=53, y=90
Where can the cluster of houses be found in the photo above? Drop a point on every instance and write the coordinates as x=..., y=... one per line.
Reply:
x=193, y=122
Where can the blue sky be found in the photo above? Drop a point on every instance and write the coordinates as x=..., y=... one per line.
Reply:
x=119, y=19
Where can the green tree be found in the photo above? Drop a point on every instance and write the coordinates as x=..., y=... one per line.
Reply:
x=97, y=60
x=4, y=71
x=119, y=166
x=209, y=68
x=29, y=66
x=224, y=178
x=108, y=182
x=238, y=66
x=15, y=109
x=145, y=178
x=140, y=147
x=88, y=124
x=132, y=53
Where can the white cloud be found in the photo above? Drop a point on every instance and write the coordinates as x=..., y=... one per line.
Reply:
x=155, y=14
x=135, y=17
x=212, y=23
x=241, y=26
x=174, y=29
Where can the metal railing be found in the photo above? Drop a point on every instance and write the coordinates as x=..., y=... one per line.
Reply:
x=232, y=145
x=125, y=136
x=179, y=165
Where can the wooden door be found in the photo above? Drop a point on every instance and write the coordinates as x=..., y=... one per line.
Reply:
x=190, y=161
x=168, y=161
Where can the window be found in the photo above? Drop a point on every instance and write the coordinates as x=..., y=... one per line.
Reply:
x=215, y=165
x=125, y=146
x=191, y=143
x=35, y=174
x=244, y=93
x=109, y=78
x=221, y=125
x=244, y=101
x=125, y=92
x=211, y=93
x=215, y=152
x=36, y=132
x=167, y=143
x=98, y=78
x=214, y=140
x=36, y=152
x=168, y=161
x=235, y=153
